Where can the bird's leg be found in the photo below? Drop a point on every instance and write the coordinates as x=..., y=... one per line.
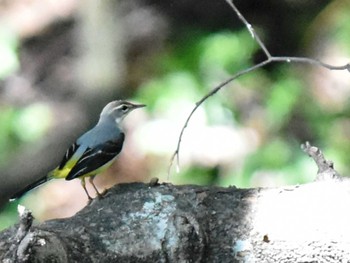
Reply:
x=91, y=180
x=86, y=191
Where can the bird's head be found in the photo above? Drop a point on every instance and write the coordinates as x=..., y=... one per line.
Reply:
x=118, y=109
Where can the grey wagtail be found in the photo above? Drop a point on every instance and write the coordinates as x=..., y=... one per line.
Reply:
x=94, y=151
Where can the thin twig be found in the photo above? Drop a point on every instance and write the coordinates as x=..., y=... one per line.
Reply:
x=270, y=59
x=311, y=61
x=198, y=103
x=250, y=28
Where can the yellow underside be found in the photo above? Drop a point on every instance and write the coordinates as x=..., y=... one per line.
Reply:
x=63, y=173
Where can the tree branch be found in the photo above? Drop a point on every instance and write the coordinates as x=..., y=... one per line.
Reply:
x=270, y=59
x=166, y=223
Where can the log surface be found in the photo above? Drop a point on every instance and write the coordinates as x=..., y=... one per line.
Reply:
x=166, y=223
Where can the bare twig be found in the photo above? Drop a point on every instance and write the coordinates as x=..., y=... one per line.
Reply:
x=198, y=103
x=270, y=59
x=310, y=61
x=250, y=28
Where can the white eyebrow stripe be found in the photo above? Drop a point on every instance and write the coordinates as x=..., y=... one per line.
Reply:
x=116, y=108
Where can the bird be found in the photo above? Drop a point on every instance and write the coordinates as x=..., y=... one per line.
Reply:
x=94, y=151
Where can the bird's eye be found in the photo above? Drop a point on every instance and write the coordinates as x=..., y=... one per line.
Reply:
x=124, y=108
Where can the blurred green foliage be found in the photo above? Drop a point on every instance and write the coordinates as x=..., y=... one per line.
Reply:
x=282, y=99
x=20, y=126
x=8, y=52
x=277, y=102
x=213, y=57
x=288, y=109
x=7, y=140
x=8, y=215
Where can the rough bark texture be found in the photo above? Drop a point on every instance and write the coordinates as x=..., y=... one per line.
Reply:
x=165, y=223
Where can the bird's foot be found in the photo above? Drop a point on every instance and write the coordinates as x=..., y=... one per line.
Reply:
x=100, y=195
x=104, y=192
x=90, y=199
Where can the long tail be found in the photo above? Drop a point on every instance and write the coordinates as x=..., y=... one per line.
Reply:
x=30, y=187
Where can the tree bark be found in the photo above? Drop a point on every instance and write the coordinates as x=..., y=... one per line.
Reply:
x=165, y=223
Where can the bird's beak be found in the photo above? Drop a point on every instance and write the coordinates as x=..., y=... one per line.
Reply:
x=136, y=106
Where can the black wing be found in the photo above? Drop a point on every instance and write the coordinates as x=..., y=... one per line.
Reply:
x=94, y=158
x=68, y=155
